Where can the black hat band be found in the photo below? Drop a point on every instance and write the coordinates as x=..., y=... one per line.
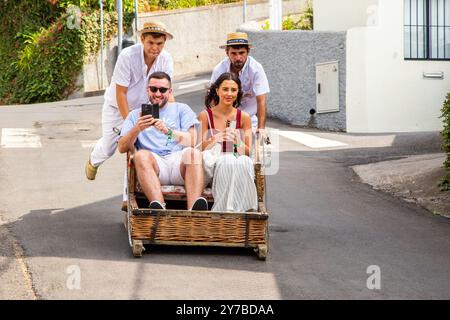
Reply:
x=237, y=41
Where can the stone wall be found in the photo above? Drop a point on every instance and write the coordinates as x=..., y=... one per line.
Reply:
x=289, y=59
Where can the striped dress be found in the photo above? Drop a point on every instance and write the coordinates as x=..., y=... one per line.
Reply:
x=233, y=185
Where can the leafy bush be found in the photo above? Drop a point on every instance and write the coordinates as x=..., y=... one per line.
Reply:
x=18, y=19
x=49, y=64
x=42, y=58
x=91, y=5
x=90, y=34
x=154, y=5
x=445, y=184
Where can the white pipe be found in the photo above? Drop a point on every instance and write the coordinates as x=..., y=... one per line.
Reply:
x=120, y=36
x=275, y=15
x=101, y=44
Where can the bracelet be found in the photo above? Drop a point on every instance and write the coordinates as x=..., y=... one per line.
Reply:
x=169, y=135
x=235, y=146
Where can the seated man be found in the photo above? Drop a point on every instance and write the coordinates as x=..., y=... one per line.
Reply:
x=161, y=158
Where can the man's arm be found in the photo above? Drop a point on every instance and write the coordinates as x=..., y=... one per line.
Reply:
x=121, y=96
x=169, y=71
x=186, y=139
x=126, y=143
x=121, y=78
x=261, y=89
x=261, y=110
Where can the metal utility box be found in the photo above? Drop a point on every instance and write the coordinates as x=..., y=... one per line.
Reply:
x=327, y=87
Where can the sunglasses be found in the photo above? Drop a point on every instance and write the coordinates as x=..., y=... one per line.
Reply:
x=156, y=89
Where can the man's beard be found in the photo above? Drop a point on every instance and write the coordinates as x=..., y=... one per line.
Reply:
x=161, y=103
x=238, y=65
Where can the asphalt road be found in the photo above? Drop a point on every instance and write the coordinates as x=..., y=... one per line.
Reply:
x=62, y=236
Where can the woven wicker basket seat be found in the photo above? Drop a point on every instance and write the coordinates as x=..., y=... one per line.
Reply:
x=178, y=226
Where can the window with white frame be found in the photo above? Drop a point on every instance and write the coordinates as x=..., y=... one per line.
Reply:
x=427, y=29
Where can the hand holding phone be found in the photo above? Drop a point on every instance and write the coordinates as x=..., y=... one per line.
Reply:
x=230, y=131
x=150, y=109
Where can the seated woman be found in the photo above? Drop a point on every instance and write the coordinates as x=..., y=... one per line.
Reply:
x=233, y=185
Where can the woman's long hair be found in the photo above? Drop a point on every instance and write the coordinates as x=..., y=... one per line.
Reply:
x=212, y=98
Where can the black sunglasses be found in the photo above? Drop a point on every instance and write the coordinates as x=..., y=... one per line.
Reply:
x=155, y=89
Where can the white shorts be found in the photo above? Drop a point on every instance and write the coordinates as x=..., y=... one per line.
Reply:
x=169, y=168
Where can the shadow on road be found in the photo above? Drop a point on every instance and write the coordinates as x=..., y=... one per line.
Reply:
x=96, y=231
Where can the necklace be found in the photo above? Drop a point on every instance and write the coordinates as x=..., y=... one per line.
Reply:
x=227, y=117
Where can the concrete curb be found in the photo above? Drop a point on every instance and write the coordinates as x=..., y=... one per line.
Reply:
x=414, y=179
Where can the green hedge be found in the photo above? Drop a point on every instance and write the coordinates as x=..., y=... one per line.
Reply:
x=445, y=184
x=155, y=5
x=48, y=64
x=41, y=57
x=17, y=20
x=42, y=54
x=87, y=5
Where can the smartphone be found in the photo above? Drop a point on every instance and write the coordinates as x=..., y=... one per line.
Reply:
x=231, y=124
x=150, y=109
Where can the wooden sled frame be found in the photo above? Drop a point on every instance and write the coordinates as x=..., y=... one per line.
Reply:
x=196, y=228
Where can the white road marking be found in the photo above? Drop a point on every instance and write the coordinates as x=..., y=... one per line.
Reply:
x=88, y=143
x=19, y=138
x=192, y=84
x=25, y=138
x=309, y=140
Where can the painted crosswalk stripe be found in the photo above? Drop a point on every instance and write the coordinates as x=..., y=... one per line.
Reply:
x=19, y=138
x=309, y=140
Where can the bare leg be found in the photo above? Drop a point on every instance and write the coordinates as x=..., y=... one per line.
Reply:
x=147, y=172
x=191, y=169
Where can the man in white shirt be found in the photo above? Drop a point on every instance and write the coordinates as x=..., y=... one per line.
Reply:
x=254, y=82
x=128, y=88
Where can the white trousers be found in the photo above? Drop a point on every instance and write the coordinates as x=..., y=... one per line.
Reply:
x=233, y=186
x=107, y=145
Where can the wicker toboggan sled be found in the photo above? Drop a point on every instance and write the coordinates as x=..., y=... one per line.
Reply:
x=178, y=226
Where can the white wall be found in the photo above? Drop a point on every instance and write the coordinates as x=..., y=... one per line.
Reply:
x=385, y=93
x=341, y=15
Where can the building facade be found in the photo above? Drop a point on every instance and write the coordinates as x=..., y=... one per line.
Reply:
x=398, y=61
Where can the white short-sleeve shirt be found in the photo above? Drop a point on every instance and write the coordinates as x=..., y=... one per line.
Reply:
x=253, y=80
x=131, y=72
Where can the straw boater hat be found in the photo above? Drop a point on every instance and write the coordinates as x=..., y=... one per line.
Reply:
x=237, y=39
x=156, y=27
